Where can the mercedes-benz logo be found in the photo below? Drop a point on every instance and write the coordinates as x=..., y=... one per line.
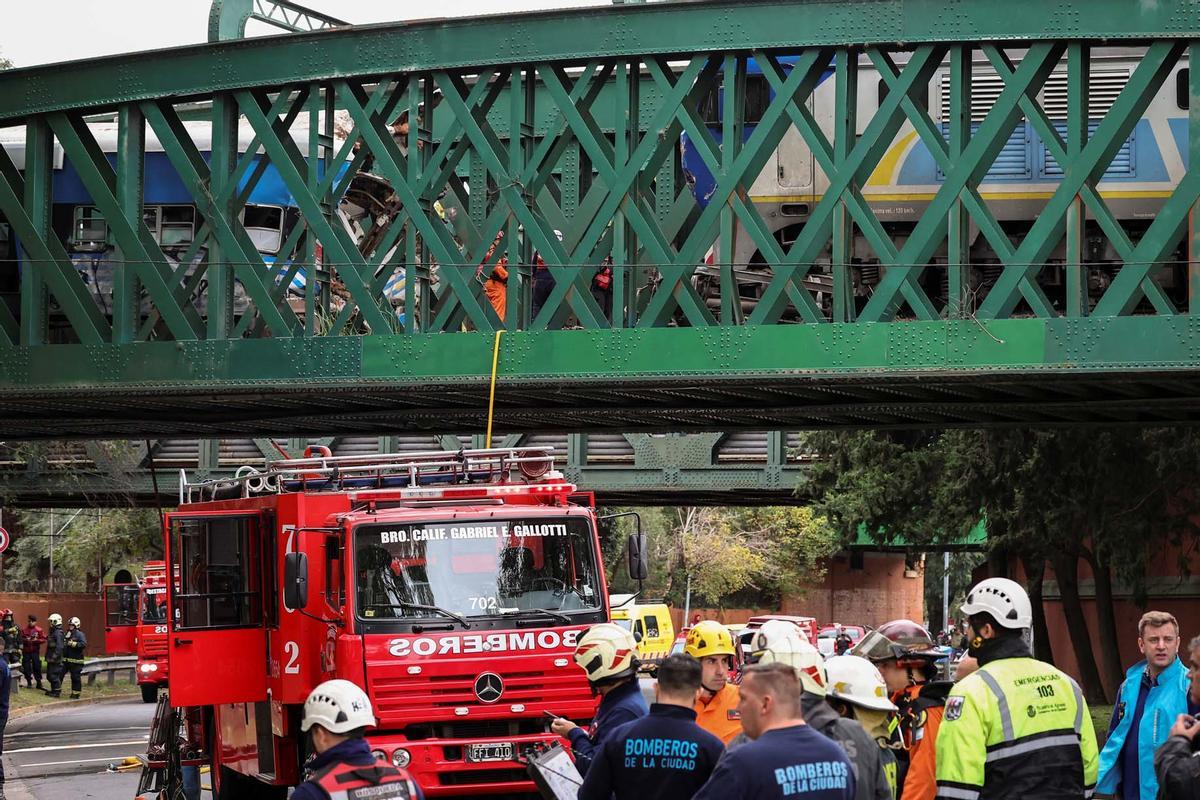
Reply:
x=488, y=687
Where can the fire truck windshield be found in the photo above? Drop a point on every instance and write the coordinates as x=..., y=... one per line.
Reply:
x=154, y=605
x=476, y=568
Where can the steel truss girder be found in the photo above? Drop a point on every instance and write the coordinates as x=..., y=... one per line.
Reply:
x=582, y=136
x=645, y=469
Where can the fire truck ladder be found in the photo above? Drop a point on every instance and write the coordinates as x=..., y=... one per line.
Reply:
x=161, y=774
x=326, y=473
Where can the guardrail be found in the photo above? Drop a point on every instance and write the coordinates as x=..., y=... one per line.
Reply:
x=100, y=666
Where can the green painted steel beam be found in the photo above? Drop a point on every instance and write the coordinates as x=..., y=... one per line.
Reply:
x=575, y=35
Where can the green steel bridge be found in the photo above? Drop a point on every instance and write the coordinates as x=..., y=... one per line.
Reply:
x=571, y=121
x=739, y=468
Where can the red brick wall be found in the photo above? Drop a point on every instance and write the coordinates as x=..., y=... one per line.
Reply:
x=879, y=592
x=88, y=607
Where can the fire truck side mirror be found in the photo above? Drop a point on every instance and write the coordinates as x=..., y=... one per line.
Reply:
x=295, y=580
x=639, y=557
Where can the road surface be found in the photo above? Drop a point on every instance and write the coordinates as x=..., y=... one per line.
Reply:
x=64, y=755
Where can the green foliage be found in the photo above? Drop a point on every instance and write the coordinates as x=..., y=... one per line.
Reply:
x=89, y=544
x=757, y=554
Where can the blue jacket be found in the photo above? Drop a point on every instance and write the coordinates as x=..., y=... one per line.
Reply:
x=623, y=704
x=1166, y=698
x=663, y=756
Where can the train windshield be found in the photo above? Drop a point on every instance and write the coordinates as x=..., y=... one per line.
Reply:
x=476, y=568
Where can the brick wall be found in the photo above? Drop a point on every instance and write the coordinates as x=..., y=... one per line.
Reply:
x=878, y=592
x=88, y=607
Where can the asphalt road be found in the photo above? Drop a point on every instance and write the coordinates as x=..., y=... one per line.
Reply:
x=64, y=755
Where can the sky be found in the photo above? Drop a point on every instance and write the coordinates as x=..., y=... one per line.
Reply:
x=64, y=30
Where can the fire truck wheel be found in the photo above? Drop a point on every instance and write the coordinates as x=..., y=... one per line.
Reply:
x=149, y=693
x=236, y=786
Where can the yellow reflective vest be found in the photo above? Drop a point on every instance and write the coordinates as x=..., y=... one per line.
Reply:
x=1017, y=729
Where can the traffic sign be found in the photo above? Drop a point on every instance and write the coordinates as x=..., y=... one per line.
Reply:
x=4, y=540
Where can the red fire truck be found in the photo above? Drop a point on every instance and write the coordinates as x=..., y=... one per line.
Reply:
x=136, y=622
x=452, y=586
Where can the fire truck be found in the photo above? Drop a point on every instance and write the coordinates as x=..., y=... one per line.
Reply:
x=451, y=586
x=136, y=622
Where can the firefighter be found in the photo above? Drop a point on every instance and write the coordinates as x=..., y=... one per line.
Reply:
x=56, y=648
x=12, y=637
x=606, y=653
x=635, y=766
x=1016, y=727
x=904, y=653
x=870, y=772
x=710, y=643
x=336, y=716
x=32, y=639
x=76, y=647
x=857, y=691
x=5, y=690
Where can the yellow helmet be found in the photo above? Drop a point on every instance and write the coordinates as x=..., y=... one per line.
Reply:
x=709, y=638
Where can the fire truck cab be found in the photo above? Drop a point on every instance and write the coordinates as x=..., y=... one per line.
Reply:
x=451, y=586
x=136, y=622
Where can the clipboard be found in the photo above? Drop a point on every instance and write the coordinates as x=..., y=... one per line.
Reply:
x=555, y=774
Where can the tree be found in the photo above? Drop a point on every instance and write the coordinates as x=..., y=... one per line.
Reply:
x=1104, y=496
x=88, y=543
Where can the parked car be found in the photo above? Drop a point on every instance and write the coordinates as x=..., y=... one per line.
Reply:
x=827, y=636
x=807, y=625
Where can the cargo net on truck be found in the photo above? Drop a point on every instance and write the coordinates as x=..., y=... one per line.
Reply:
x=422, y=474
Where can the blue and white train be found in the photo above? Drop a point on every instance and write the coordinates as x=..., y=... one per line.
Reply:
x=1146, y=170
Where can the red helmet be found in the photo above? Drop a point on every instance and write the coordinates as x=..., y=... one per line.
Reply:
x=6, y=612
x=899, y=639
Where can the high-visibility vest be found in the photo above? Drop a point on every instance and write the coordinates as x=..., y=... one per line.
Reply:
x=342, y=781
x=1017, y=729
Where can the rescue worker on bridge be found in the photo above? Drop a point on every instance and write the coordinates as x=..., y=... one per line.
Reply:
x=76, y=643
x=12, y=637
x=711, y=643
x=56, y=648
x=605, y=653
x=32, y=639
x=336, y=716
x=662, y=756
x=906, y=656
x=857, y=691
x=781, y=642
x=1016, y=728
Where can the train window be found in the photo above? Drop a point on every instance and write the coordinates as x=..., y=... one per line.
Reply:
x=922, y=99
x=89, y=228
x=758, y=97
x=1181, y=88
x=178, y=225
x=264, y=224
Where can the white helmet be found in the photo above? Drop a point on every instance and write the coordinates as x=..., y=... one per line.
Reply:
x=338, y=706
x=857, y=681
x=799, y=654
x=75, y=622
x=1004, y=600
x=772, y=629
x=605, y=652
x=55, y=619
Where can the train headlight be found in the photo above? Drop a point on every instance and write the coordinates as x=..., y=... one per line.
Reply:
x=401, y=758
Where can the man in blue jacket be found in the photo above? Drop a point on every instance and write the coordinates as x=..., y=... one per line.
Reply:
x=1153, y=694
x=606, y=653
x=663, y=756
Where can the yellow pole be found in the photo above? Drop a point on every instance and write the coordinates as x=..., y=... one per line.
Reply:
x=492, y=390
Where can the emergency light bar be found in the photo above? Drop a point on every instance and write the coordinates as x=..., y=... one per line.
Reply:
x=516, y=467
x=468, y=492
